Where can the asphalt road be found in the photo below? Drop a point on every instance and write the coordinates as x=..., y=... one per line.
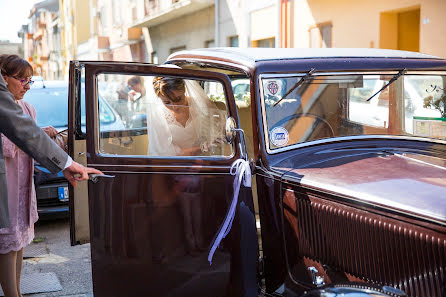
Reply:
x=51, y=252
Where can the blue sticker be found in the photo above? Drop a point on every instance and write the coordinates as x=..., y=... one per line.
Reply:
x=279, y=136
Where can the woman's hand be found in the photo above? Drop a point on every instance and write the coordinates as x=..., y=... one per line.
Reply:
x=50, y=131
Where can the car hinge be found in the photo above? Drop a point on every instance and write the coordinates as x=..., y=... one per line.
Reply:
x=252, y=165
x=78, y=134
x=260, y=268
x=78, y=65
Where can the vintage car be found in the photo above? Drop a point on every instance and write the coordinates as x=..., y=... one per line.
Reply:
x=330, y=181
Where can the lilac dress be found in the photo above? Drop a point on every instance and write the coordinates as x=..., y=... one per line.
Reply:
x=21, y=194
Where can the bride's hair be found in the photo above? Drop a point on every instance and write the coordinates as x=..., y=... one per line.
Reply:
x=164, y=86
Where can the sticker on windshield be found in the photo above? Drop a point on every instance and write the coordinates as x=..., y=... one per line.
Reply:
x=273, y=87
x=279, y=136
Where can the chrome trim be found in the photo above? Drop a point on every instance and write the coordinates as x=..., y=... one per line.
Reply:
x=164, y=172
x=369, y=200
x=354, y=137
x=298, y=74
x=340, y=138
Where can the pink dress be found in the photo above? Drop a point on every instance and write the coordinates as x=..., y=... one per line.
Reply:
x=21, y=194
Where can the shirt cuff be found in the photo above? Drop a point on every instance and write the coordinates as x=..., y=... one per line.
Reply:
x=69, y=162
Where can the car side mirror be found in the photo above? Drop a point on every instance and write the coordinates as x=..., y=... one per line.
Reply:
x=230, y=129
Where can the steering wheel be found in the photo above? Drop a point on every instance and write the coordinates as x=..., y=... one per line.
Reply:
x=298, y=115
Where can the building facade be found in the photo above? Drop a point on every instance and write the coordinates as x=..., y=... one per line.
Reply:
x=14, y=48
x=150, y=30
x=414, y=25
x=42, y=40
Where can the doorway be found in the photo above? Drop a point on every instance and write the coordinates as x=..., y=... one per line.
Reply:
x=400, y=30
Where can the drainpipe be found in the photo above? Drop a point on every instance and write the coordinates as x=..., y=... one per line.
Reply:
x=284, y=23
x=217, y=23
x=279, y=23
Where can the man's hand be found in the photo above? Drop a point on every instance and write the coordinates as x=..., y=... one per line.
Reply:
x=76, y=172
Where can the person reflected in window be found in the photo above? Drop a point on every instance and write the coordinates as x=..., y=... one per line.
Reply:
x=132, y=101
x=137, y=93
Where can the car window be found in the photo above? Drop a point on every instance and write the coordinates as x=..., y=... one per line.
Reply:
x=51, y=106
x=163, y=116
x=327, y=106
x=241, y=90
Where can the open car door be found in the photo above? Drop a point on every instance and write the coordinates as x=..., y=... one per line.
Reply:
x=151, y=219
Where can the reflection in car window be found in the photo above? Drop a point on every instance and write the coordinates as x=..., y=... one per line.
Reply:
x=163, y=116
x=326, y=106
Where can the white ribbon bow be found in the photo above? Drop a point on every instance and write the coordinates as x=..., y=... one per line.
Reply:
x=240, y=168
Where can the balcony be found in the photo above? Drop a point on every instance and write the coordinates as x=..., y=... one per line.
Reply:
x=161, y=11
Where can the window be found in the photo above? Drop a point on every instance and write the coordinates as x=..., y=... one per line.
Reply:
x=209, y=43
x=320, y=35
x=104, y=21
x=154, y=57
x=177, y=49
x=268, y=42
x=233, y=41
x=135, y=120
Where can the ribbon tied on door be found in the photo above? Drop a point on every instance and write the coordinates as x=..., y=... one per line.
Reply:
x=242, y=172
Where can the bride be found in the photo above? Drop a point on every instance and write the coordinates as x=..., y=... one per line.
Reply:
x=181, y=119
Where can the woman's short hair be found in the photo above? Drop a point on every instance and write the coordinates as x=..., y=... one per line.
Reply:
x=13, y=65
x=164, y=86
x=134, y=80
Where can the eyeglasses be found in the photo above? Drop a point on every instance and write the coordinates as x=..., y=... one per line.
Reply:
x=23, y=81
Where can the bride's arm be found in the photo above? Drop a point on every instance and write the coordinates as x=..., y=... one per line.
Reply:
x=191, y=151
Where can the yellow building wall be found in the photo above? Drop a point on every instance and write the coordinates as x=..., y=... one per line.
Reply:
x=433, y=28
x=82, y=20
x=357, y=23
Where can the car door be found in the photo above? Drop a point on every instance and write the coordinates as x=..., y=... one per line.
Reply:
x=153, y=216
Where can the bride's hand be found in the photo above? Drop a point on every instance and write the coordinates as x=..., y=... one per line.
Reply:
x=192, y=151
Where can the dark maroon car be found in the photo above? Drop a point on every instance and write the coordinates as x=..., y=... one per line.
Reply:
x=345, y=151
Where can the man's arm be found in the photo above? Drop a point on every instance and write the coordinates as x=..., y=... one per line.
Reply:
x=24, y=132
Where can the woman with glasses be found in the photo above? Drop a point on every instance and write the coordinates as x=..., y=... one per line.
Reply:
x=17, y=74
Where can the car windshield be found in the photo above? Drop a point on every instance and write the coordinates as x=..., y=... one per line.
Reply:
x=326, y=106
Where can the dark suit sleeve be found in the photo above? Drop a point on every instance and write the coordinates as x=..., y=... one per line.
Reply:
x=24, y=132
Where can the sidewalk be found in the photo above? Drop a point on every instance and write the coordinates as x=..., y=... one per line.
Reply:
x=53, y=254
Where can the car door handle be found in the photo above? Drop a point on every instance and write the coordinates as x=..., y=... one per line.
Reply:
x=95, y=177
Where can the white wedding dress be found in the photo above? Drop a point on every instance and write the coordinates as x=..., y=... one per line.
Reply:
x=167, y=137
x=183, y=137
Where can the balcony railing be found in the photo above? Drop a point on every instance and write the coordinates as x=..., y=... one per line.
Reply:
x=160, y=11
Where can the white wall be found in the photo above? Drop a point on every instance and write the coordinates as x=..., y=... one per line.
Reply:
x=191, y=31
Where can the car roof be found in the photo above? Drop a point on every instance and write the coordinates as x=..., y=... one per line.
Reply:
x=252, y=55
x=40, y=83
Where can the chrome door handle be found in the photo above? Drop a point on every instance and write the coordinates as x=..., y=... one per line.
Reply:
x=95, y=177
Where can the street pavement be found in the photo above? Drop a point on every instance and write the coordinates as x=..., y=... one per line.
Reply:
x=71, y=264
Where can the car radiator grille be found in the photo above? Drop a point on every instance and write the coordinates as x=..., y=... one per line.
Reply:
x=371, y=247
